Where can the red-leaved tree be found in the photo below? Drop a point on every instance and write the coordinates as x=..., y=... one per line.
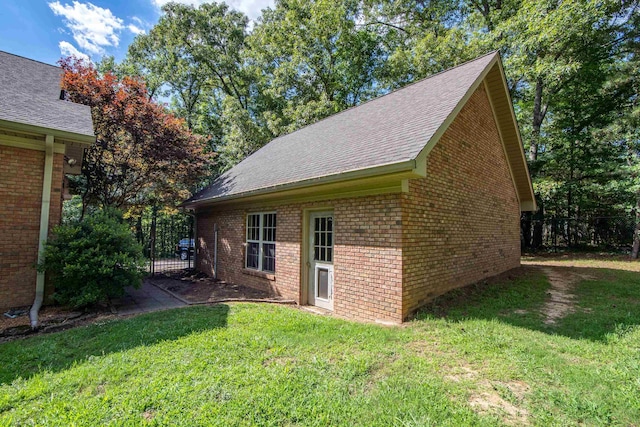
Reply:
x=142, y=152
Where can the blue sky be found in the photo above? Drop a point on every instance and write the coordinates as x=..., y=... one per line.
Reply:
x=45, y=30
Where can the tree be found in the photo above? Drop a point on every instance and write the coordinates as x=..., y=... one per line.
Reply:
x=194, y=57
x=312, y=60
x=569, y=68
x=142, y=152
x=195, y=54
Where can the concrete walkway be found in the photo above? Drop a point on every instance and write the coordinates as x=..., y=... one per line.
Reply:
x=145, y=299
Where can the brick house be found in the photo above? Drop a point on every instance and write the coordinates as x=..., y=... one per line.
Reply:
x=376, y=210
x=42, y=138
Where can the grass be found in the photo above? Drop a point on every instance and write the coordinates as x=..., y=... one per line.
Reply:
x=482, y=356
x=584, y=260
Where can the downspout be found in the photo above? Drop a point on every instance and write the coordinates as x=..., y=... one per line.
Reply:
x=44, y=228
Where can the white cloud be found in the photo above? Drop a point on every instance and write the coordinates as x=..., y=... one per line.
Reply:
x=139, y=21
x=67, y=49
x=93, y=27
x=251, y=8
x=135, y=29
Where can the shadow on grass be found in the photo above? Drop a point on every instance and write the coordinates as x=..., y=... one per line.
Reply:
x=605, y=302
x=59, y=351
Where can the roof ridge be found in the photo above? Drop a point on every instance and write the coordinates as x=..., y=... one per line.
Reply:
x=29, y=59
x=378, y=97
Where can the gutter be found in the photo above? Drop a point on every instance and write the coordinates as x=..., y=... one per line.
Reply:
x=368, y=172
x=44, y=228
x=60, y=134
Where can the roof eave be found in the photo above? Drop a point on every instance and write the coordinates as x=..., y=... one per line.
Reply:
x=57, y=133
x=408, y=167
x=525, y=205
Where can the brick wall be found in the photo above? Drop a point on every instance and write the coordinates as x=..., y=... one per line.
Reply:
x=395, y=252
x=461, y=222
x=367, y=253
x=21, y=173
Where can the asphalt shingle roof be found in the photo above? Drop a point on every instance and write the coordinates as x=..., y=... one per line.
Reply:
x=390, y=129
x=30, y=94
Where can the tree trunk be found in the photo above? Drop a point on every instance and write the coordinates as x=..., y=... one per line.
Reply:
x=525, y=231
x=538, y=226
x=84, y=202
x=636, y=235
x=570, y=231
x=538, y=116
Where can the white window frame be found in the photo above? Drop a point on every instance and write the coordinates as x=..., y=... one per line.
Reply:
x=260, y=241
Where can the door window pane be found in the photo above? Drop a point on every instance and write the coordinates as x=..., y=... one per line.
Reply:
x=323, y=283
x=323, y=239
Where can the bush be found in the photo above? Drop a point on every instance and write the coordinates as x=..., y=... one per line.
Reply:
x=93, y=260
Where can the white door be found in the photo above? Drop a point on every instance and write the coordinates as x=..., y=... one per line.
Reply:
x=321, y=259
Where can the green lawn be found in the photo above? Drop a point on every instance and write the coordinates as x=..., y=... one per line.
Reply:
x=476, y=357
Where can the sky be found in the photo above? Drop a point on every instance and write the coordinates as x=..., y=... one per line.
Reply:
x=45, y=30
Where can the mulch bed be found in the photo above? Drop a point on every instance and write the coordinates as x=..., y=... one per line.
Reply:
x=198, y=288
x=189, y=285
x=52, y=319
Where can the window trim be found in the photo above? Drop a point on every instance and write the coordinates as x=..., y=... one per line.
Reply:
x=261, y=242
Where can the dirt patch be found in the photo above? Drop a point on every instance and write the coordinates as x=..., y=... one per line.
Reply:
x=487, y=400
x=149, y=414
x=561, y=299
x=428, y=348
x=197, y=288
x=52, y=319
x=492, y=403
x=279, y=360
x=463, y=373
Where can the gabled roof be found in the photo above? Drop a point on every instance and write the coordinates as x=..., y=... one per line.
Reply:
x=387, y=134
x=30, y=96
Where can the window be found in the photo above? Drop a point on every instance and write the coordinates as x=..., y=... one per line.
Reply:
x=261, y=242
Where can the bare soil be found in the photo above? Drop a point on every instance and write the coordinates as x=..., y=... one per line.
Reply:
x=197, y=288
x=561, y=299
x=487, y=399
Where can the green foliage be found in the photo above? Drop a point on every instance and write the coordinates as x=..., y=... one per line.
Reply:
x=72, y=210
x=314, y=60
x=571, y=67
x=193, y=56
x=92, y=260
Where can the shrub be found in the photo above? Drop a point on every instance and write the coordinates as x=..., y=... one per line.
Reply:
x=93, y=260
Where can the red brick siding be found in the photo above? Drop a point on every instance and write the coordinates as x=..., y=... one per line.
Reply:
x=461, y=222
x=367, y=258
x=21, y=172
